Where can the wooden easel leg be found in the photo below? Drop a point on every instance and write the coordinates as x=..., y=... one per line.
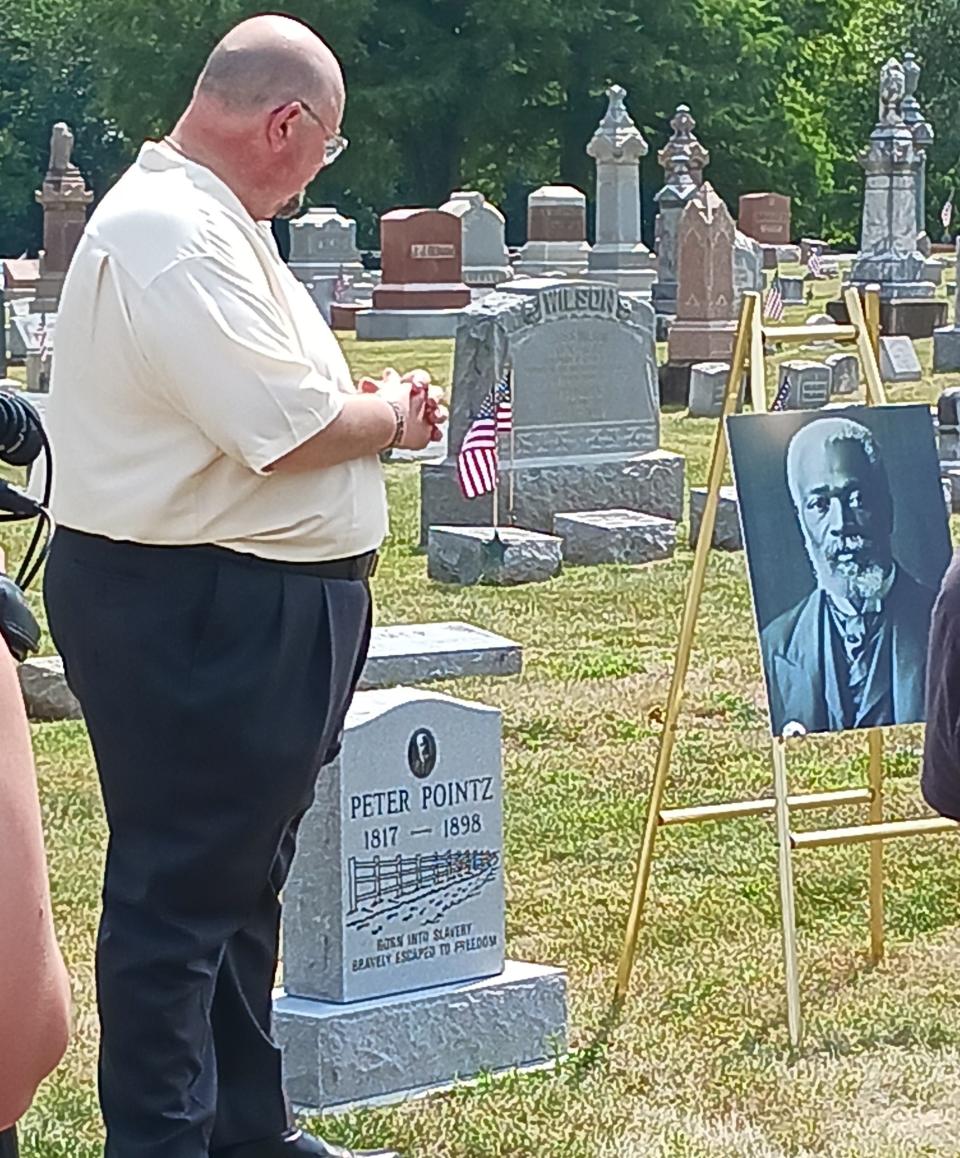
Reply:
x=788, y=909
x=875, y=742
x=691, y=610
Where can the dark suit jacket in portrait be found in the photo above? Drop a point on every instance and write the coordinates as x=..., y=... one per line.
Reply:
x=803, y=671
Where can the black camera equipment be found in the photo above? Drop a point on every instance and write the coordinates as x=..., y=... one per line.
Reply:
x=22, y=440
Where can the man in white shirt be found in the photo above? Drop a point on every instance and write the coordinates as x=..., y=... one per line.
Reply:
x=220, y=503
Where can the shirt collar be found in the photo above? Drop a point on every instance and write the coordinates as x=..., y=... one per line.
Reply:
x=871, y=606
x=157, y=156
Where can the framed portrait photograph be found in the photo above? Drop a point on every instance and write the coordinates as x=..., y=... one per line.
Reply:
x=847, y=540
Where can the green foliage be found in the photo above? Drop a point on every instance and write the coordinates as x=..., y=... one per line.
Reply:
x=501, y=95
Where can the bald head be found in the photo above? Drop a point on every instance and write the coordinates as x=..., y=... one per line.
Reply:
x=266, y=113
x=268, y=61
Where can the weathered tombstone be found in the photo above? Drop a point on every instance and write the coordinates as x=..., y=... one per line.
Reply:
x=35, y=333
x=582, y=360
x=726, y=532
x=556, y=233
x=65, y=198
x=619, y=255
x=765, y=217
x=615, y=536
x=422, y=291
x=507, y=557
x=20, y=277
x=946, y=339
x=888, y=255
x=681, y=158
x=948, y=424
x=705, y=325
x=708, y=384
x=485, y=259
x=747, y=268
x=844, y=373
x=809, y=384
x=323, y=243
x=899, y=361
x=394, y=914
x=792, y=289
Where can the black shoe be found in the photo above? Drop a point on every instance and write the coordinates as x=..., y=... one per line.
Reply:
x=297, y=1144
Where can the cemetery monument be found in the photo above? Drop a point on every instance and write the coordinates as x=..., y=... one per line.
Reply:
x=888, y=255
x=619, y=255
x=556, y=234
x=65, y=199
x=586, y=424
x=705, y=324
x=682, y=159
x=422, y=292
x=486, y=262
x=323, y=243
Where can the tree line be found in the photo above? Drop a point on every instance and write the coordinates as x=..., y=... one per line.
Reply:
x=499, y=95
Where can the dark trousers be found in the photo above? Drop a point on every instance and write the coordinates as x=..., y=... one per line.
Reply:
x=8, y=1143
x=214, y=688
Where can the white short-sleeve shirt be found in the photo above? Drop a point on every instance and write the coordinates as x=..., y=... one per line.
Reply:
x=188, y=358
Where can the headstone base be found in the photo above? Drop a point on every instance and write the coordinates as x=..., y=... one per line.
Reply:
x=486, y=276
x=630, y=268
x=616, y=536
x=912, y=317
x=306, y=271
x=405, y=325
x=727, y=535
x=467, y=556
x=946, y=350
x=789, y=254
x=546, y=258
x=343, y=315
x=696, y=341
x=651, y=482
x=337, y=1057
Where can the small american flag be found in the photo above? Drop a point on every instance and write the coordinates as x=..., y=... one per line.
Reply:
x=946, y=213
x=780, y=402
x=478, y=462
x=814, y=264
x=773, y=302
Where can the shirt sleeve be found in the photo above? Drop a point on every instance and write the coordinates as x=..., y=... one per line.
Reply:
x=231, y=362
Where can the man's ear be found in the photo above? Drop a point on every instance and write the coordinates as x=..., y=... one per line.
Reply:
x=280, y=124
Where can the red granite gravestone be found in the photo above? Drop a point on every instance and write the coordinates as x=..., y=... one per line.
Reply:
x=765, y=217
x=422, y=262
x=65, y=199
x=557, y=214
x=705, y=324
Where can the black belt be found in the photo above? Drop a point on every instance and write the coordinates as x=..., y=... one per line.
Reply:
x=352, y=567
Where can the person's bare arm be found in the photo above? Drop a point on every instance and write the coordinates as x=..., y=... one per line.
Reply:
x=365, y=426
x=34, y=991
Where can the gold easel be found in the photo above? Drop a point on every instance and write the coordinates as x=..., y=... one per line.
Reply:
x=863, y=331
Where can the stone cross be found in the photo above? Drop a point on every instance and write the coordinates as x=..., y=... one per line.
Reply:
x=617, y=147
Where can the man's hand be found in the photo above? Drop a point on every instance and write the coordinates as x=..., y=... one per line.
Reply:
x=420, y=402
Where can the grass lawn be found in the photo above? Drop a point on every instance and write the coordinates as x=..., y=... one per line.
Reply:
x=699, y=1065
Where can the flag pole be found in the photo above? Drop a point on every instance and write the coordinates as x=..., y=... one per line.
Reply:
x=513, y=458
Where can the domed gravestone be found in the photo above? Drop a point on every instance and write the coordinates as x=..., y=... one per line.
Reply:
x=395, y=974
x=486, y=262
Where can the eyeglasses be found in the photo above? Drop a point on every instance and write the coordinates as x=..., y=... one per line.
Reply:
x=335, y=146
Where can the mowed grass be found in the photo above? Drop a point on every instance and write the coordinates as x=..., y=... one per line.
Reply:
x=698, y=1065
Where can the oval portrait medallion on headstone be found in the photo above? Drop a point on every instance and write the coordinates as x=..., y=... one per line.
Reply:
x=422, y=753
